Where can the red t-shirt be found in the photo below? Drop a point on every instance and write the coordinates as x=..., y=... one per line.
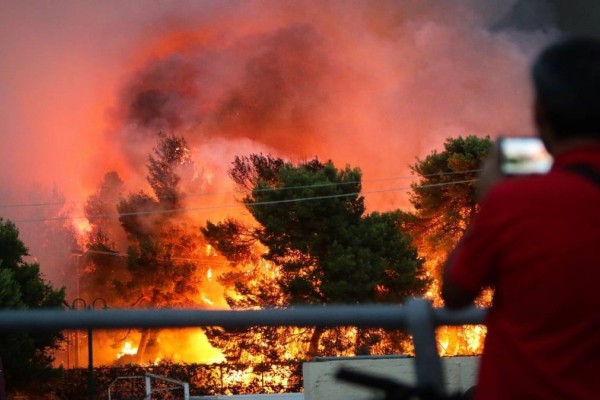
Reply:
x=536, y=240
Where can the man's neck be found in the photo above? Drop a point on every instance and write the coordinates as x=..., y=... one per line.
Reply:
x=562, y=146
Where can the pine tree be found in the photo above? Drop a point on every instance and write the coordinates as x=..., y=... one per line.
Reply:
x=162, y=245
x=444, y=201
x=22, y=286
x=312, y=224
x=444, y=194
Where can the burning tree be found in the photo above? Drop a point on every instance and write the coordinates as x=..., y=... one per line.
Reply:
x=321, y=247
x=161, y=247
x=444, y=194
x=159, y=269
x=99, y=208
x=444, y=201
x=103, y=263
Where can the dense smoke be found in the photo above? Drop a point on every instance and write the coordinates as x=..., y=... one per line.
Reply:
x=355, y=82
x=85, y=88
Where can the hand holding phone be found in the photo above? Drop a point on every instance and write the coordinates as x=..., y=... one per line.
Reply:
x=512, y=156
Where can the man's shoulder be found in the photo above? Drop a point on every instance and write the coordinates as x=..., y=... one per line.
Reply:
x=525, y=186
x=531, y=194
x=559, y=188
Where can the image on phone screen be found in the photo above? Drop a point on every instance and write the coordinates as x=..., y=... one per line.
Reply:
x=524, y=155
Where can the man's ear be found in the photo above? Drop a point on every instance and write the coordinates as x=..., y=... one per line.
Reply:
x=540, y=117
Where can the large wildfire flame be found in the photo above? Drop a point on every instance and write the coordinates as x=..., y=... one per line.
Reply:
x=452, y=341
x=370, y=84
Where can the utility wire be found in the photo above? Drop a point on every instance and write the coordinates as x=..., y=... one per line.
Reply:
x=225, y=206
x=58, y=203
x=125, y=255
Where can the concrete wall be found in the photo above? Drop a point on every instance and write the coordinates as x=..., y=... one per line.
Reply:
x=320, y=383
x=280, y=396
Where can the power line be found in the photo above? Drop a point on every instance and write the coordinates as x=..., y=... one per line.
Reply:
x=226, y=206
x=193, y=260
x=63, y=203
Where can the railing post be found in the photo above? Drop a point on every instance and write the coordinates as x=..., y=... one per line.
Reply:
x=148, y=387
x=421, y=325
x=186, y=391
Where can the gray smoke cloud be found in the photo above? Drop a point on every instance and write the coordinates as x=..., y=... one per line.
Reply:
x=372, y=84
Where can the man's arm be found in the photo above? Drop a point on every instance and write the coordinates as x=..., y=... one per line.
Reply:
x=471, y=266
x=455, y=296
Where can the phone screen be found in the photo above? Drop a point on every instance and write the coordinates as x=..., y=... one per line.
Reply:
x=524, y=155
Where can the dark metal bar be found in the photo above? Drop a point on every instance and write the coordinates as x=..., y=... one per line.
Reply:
x=91, y=388
x=389, y=316
x=464, y=316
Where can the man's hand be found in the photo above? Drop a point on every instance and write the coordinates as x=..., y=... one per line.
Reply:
x=453, y=295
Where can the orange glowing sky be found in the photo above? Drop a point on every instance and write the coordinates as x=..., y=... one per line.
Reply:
x=370, y=84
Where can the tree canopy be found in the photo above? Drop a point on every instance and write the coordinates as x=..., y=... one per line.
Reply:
x=157, y=270
x=311, y=221
x=161, y=246
x=444, y=200
x=444, y=194
x=22, y=286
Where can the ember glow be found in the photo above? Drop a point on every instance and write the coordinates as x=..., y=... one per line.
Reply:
x=82, y=229
x=127, y=349
x=86, y=88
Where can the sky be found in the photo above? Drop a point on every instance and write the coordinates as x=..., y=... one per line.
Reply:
x=85, y=87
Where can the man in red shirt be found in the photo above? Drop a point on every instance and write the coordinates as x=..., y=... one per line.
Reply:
x=536, y=241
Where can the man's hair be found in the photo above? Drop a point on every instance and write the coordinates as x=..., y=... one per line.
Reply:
x=566, y=78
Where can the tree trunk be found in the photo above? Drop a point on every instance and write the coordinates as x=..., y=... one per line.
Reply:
x=313, y=349
x=142, y=346
x=361, y=347
x=146, y=347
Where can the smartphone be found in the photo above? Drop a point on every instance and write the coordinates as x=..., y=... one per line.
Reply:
x=523, y=156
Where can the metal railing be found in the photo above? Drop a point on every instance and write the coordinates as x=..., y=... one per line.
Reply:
x=147, y=377
x=417, y=317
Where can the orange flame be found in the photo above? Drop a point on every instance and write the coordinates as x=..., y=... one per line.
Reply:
x=82, y=228
x=127, y=349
